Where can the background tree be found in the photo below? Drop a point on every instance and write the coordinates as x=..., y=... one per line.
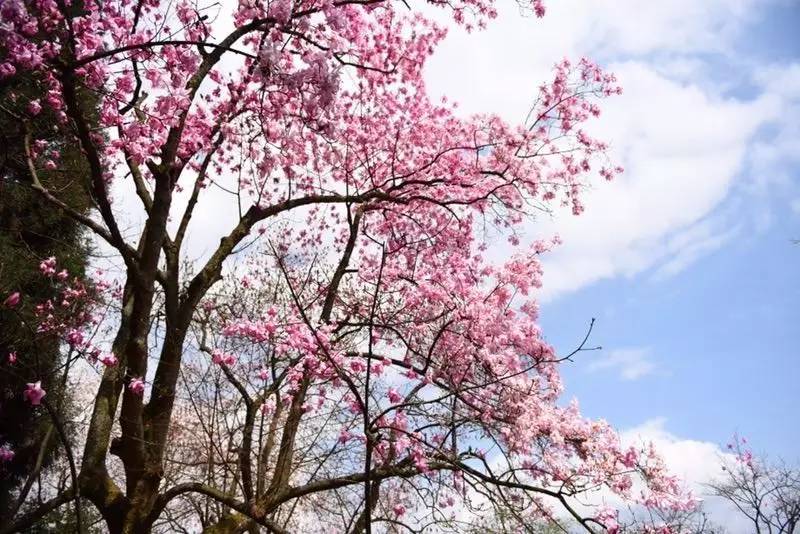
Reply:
x=657, y=521
x=367, y=367
x=31, y=231
x=766, y=492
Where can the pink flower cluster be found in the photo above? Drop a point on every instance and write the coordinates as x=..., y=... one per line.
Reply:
x=71, y=316
x=6, y=454
x=219, y=357
x=136, y=385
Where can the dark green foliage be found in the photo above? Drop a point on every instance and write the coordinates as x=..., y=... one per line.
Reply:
x=31, y=230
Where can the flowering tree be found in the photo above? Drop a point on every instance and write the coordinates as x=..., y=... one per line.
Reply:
x=366, y=367
x=657, y=521
x=766, y=492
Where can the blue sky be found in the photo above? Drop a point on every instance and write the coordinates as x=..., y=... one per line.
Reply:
x=721, y=337
x=717, y=344
x=687, y=260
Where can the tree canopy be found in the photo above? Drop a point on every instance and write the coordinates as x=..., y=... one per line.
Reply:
x=346, y=355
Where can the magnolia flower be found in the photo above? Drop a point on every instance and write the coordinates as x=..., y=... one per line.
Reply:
x=219, y=357
x=6, y=454
x=34, y=393
x=34, y=107
x=109, y=360
x=12, y=300
x=394, y=396
x=7, y=69
x=136, y=385
x=344, y=436
x=607, y=517
x=357, y=365
x=48, y=266
x=12, y=357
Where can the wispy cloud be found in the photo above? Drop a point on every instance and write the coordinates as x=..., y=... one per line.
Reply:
x=686, y=247
x=631, y=363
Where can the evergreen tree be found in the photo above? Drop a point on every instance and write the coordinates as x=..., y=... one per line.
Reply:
x=31, y=231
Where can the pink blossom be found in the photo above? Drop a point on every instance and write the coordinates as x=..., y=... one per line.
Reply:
x=357, y=366
x=48, y=266
x=6, y=70
x=12, y=300
x=394, y=396
x=6, y=454
x=34, y=393
x=34, y=107
x=219, y=357
x=75, y=338
x=136, y=385
x=629, y=458
x=345, y=436
x=281, y=10
x=108, y=359
x=12, y=357
x=607, y=517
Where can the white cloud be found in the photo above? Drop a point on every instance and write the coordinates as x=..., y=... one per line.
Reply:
x=631, y=363
x=683, y=140
x=634, y=27
x=696, y=463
